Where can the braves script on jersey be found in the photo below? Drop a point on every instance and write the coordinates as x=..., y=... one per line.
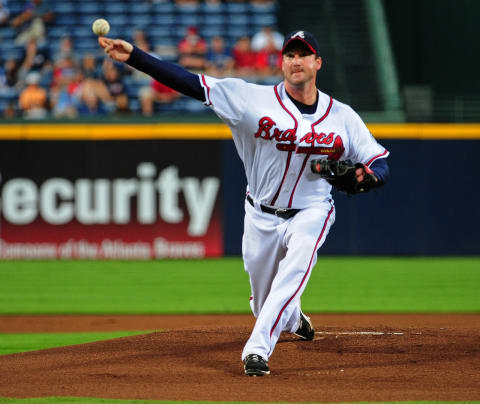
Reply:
x=276, y=143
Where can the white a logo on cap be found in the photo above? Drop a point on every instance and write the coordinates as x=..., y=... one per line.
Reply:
x=301, y=34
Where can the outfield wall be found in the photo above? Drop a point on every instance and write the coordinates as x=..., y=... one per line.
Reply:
x=173, y=190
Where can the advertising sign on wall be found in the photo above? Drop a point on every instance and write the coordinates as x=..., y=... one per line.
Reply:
x=110, y=199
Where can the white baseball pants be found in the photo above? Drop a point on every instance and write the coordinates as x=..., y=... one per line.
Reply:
x=279, y=256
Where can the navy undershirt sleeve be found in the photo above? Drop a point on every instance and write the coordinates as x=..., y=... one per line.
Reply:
x=381, y=170
x=167, y=73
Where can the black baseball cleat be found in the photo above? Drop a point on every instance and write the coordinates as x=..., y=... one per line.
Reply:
x=305, y=331
x=255, y=365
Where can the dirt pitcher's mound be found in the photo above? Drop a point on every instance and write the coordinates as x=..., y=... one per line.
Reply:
x=342, y=364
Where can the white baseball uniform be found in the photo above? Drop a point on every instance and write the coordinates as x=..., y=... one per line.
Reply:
x=276, y=144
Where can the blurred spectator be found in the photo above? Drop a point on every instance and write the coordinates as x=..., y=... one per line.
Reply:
x=65, y=49
x=33, y=99
x=31, y=22
x=244, y=58
x=192, y=50
x=213, y=4
x=266, y=3
x=269, y=61
x=4, y=13
x=94, y=98
x=187, y=3
x=36, y=58
x=63, y=100
x=140, y=40
x=266, y=36
x=61, y=68
x=219, y=59
x=9, y=111
x=3, y=79
x=89, y=66
x=122, y=107
x=116, y=87
x=156, y=92
x=8, y=76
x=93, y=95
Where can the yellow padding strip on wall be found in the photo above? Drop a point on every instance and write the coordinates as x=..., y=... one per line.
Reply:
x=425, y=131
x=114, y=131
x=28, y=131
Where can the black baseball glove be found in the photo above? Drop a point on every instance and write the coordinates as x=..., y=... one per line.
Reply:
x=343, y=175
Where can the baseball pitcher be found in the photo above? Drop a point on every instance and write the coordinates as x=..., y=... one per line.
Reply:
x=296, y=143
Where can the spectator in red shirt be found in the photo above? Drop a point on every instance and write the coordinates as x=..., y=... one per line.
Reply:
x=192, y=51
x=156, y=92
x=244, y=58
x=269, y=61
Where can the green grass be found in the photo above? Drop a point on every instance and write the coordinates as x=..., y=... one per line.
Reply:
x=59, y=400
x=12, y=343
x=384, y=284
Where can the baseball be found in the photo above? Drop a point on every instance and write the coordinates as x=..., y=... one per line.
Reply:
x=100, y=27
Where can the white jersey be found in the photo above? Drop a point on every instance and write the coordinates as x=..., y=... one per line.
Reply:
x=276, y=142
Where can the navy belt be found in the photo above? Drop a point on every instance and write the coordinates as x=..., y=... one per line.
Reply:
x=280, y=212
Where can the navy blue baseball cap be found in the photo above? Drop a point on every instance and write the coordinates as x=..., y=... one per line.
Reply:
x=306, y=37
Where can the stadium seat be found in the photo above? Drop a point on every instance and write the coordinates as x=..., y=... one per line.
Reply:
x=87, y=19
x=159, y=31
x=65, y=19
x=209, y=31
x=141, y=8
x=188, y=20
x=119, y=7
x=207, y=8
x=117, y=20
x=16, y=7
x=62, y=7
x=235, y=32
x=234, y=8
x=187, y=9
x=82, y=32
x=238, y=19
x=7, y=33
x=161, y=8
x=141, y=20
x=87, y=45
x=262, y=8
x=58, y=31
x=163, y=20
x=89, y=8
x=264, y=19
x=214, y=19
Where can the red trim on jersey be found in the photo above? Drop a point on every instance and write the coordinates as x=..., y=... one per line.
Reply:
x=307, y=156
x=283, y=179
x=324, y=115
x=306, y=273
x=289, y=153
x=208, y=89
x=376, y=157
x=298, y=179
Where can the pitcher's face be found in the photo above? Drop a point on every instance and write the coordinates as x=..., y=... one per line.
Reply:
x=299, y=64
